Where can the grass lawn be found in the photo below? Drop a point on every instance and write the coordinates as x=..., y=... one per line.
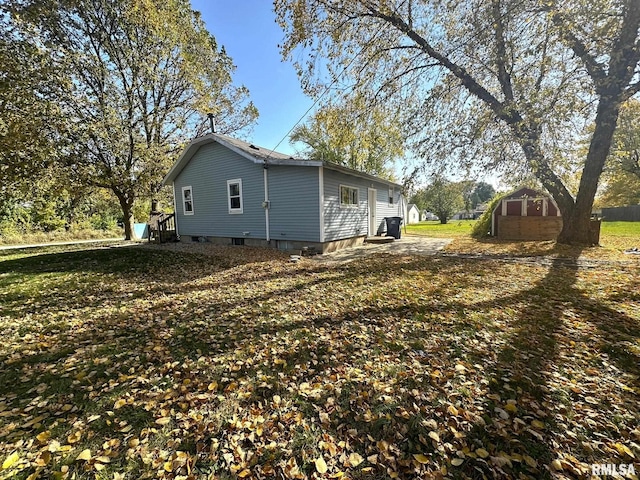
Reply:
x=59, y=236
x=615, y=238
x=145, y=362
x=452, y=229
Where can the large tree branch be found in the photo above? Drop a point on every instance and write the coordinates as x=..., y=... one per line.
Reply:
x=595, y=69
x=502, y=111
x=625, y=52
x=501, y=53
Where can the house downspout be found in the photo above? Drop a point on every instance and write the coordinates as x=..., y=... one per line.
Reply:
x=321, y=201
x=265, y=204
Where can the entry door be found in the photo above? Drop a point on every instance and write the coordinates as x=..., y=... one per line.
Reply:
x=373, y=227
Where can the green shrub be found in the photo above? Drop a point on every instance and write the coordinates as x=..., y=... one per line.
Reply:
x=482, y=227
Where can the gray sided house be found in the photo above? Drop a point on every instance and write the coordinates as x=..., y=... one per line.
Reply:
x=231, y=192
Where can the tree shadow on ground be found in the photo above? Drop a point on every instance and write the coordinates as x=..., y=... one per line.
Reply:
x=279, y=339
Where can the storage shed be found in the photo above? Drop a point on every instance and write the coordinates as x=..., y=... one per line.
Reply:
x=526, y=214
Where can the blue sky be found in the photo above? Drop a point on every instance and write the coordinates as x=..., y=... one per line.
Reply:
x=248, y=31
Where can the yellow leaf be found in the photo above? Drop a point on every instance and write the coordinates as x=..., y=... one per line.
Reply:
x=84, y=455
x=452, y=410
x=530, y=461
x=321, y=465
x=163, y=420
x=537, y=424
x=43, y=436
x=556, y=465
x=74, y=437
x=421, y=458
x=213, y=386
x=355, y=459
x=119, y=403
x=43, y=459
x=244, y=473
x=434, y=436
x=623, y=449
x=456, y=462
x=482, y=453
x=510, y=407
x=168, y=466
x=10, y=461
x=54, y=446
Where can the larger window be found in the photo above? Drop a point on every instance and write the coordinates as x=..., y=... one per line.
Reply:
x=348, y=196
x=234, y=195
x=187, y=200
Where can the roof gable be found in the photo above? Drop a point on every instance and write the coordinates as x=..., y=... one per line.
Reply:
x=256, y=155
x=527, y=192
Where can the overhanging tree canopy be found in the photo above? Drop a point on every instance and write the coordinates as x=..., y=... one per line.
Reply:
x=524, y=75
x=140, y=75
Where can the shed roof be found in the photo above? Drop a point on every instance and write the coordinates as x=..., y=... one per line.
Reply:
x=257, y=155
x=526, y=192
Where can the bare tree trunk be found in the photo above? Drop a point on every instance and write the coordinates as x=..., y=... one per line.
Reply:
x=126, y=203
x=576, y=222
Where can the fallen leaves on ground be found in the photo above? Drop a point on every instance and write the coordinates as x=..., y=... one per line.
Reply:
x=155, y=363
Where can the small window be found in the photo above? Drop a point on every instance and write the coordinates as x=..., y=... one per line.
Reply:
x=187, y=200
x=348, y=196
x=234, y=193
x=391, y=196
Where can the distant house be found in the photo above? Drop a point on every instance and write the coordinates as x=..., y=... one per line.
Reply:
x=427, y=215
x=479, y=210
x=231, y=192
x=526, y=214
x=413, y=213
x=462, y=215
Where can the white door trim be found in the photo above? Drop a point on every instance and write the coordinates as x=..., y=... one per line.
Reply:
x=372, y=202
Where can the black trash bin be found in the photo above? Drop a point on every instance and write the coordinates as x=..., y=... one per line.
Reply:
x=393, y=226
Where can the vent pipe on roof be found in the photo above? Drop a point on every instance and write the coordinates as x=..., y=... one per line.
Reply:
x=212, y=124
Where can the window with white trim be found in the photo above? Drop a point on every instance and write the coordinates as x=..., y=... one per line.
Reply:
x=234, y=195
x=348, y=196
x=391, y=195
x=187, y=200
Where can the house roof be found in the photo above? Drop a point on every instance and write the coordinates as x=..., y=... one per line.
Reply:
x=258, y=155
x=412, y=205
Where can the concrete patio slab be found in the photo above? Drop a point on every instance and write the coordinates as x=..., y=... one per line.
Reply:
x=407, y=245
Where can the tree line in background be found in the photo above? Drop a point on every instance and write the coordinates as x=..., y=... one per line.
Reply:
x=99, y=96
x=445, y=198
